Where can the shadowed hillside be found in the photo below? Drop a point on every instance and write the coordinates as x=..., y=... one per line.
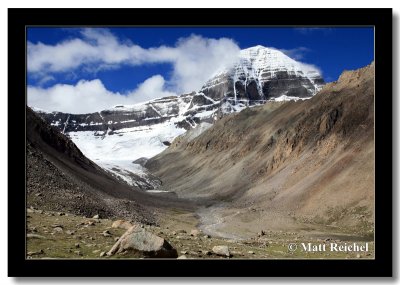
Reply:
x=61, y=178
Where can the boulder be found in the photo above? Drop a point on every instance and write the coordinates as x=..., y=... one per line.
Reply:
x=35, y=236
x=137, y=239
x=58, y=230
x=194, y=233
x=121, y=224
x=32, y=253
x=221, y=250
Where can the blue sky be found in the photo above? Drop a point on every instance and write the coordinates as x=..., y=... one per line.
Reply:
x=126, y=62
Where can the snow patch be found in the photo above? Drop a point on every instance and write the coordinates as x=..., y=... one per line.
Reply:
x=198, y=130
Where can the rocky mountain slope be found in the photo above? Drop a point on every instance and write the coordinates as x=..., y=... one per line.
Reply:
x=115, y=137
x=298, y=165
x=61, y=178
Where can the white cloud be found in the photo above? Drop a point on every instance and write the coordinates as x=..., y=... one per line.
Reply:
x=92, y=96
x=98, y=46
x=311, y=68
x=194, y=59
x=153, y=87
x=198, y=59
x=296, y=53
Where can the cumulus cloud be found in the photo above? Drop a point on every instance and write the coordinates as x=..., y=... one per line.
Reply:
x=153, y=87
x=194, y=59
x=92, y=96
x=97, y=46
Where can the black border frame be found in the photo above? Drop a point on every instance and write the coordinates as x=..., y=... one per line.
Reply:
x=18, y=19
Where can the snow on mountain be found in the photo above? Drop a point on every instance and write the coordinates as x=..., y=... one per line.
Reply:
x=116, y=137
x=264, y=74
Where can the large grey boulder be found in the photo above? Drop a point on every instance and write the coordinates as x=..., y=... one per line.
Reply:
x=221, y=250
x=137, y=239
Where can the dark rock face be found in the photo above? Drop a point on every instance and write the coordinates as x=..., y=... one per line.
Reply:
x=43, y=136
x=157, y=111
x=117, y=118
x=200, y=100
x=218, y=87
x=252, y=91
x=291, y=85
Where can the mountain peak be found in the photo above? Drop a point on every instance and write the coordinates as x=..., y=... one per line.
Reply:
x=257, y=47
x=260, y=50
x=264, y=73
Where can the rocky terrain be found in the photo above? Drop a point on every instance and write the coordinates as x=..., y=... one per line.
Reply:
x=305, y=165
x=62, y=235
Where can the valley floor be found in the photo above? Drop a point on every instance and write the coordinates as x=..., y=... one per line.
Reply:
x=64, y=235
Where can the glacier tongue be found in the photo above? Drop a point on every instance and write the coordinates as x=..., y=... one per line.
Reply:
x=132, y=173
x=128, y=143
x=117, y=152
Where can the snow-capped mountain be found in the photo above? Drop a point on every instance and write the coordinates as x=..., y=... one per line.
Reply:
x=263, y=74
x=116, y=137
